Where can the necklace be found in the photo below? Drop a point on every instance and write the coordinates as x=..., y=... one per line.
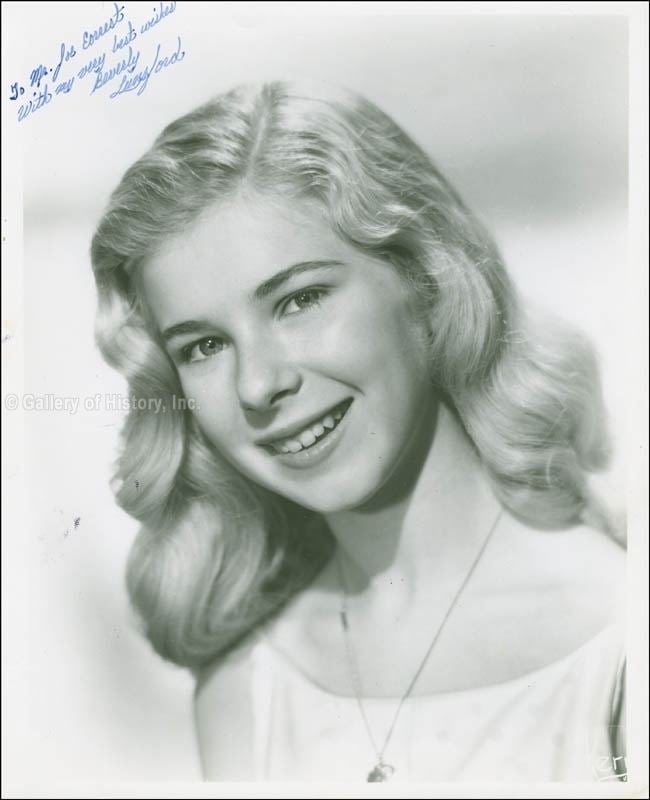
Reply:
x=383, y=771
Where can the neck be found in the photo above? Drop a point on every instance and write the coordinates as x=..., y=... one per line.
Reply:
x=419, y=536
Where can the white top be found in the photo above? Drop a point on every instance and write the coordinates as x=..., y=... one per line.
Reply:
x=552, y=724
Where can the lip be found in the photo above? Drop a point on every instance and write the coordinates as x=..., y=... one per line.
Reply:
x=321, y=450
x=291, y=431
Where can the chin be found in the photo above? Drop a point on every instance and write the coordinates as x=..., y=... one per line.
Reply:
x=346, y=486
x=345, y=495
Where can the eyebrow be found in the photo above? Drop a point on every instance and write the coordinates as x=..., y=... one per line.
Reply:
x=275, y=281
x=265, y=288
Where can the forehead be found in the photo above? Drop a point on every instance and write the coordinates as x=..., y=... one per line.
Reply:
x=230, y=250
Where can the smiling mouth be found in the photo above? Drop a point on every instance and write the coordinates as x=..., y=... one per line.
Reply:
x=311, y=435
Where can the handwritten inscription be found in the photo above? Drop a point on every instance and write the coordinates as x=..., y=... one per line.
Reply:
x=16, y=91
x=116, y=55
x=65, y=54
x=140, y=80
x=118, y=44
x=159, y=13
x=31, y=106
x=128, y=63
x=90, y=37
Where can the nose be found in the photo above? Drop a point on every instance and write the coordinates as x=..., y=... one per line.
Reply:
x=265, y=374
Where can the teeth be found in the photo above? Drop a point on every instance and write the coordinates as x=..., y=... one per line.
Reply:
x=307, y=438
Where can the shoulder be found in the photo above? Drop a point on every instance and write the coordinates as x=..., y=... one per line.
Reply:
x=592, y=566
x=575, y=576
x=223, y=713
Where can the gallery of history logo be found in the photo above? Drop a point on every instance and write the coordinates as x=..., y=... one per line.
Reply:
x=108, y=401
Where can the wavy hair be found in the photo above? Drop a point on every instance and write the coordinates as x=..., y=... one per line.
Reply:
x=215, y=555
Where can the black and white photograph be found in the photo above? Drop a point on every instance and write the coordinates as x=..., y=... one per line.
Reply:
x=324, y=406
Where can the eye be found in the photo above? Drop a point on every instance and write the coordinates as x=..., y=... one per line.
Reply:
x=304, y=300
x=202, y=350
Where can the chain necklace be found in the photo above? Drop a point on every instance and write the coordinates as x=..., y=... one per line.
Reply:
x=383, y=771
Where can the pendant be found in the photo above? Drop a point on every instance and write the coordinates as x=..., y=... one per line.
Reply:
x=380, y=772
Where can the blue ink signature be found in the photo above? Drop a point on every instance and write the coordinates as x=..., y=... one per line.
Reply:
x=141, y=79
x=127, y=64
x=122, y=47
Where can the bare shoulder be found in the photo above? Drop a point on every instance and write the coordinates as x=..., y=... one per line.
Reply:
x=223, y=712
x=591, y=562
x=596, y=565
x=571, y=582
x=579, y=568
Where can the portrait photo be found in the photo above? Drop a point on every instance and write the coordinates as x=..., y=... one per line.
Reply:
x=325, y=399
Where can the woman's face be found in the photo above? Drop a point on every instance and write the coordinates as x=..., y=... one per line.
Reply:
x=301, y=353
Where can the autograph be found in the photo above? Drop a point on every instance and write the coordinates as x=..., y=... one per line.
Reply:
x=123, y=43
x=139, y=80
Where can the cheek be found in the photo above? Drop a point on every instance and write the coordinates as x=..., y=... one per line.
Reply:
x=215, y=408
x=375, y=340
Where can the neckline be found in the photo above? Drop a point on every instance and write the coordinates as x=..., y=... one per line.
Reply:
x=528, y=677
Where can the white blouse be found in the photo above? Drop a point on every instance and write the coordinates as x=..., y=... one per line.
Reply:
x=553, y=724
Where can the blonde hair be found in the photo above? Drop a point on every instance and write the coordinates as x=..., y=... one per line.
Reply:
x=215, y=554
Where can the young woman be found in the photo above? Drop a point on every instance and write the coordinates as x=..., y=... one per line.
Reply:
x=366, y=517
